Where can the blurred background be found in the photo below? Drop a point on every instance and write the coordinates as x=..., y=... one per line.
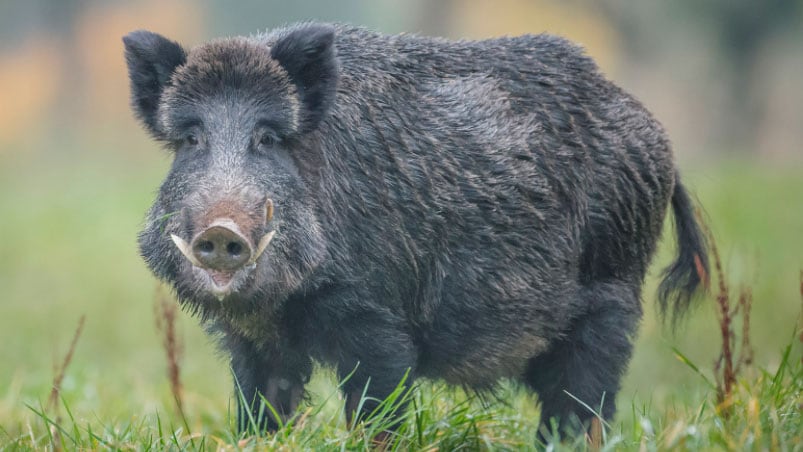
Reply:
x=77, y=173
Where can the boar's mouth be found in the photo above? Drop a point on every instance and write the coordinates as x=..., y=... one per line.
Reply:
x=221, y=278
x=221, y=250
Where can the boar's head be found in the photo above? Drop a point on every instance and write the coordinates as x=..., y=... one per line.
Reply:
x=234, y=223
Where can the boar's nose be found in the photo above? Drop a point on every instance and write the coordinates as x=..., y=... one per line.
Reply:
x=221, y=247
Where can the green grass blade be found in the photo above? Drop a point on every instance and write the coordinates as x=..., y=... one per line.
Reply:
x=685, y=360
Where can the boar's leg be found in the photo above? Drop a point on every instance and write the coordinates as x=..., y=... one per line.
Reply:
x=370, y=377
x=588, y=362
x=368, y=343
x=374, y=361
x=277, y=377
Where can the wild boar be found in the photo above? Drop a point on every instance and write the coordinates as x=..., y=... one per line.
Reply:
x=470, y=211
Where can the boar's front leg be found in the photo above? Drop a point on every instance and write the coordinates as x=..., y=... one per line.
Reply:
x=376, y=361
x=371, y=347
x=274, y=376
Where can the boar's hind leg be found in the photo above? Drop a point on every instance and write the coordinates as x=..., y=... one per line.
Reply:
x=270, y=376
x=588, y=362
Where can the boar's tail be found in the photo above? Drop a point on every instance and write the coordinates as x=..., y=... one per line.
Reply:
x=683, y=277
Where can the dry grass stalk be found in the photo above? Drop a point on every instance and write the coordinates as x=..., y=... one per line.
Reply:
x=166, y=313
x=746, y=305
x=729, y=365
x=58, y=377
x=60, y=371
x=595, y=435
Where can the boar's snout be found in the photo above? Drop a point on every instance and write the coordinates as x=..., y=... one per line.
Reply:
x=222, y=247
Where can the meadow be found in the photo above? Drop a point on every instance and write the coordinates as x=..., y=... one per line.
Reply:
x=67, y=241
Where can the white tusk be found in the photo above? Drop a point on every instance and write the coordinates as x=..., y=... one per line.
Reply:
x=263, y=243
x=185, y=250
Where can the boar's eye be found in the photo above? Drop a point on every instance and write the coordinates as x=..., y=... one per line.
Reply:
x=191, y=139
x=267, y=140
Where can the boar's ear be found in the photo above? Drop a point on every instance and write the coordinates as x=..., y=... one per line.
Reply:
x=308, y=55
x=151, y=60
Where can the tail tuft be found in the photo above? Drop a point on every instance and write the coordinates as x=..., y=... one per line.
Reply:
x=682, y=279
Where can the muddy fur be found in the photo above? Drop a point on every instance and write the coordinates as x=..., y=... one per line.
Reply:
x=466, y=210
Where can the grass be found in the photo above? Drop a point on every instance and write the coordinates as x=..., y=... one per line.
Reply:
x=69, y=250
x=766, y=416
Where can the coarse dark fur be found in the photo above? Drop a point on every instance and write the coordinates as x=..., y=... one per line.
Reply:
x=468, y=211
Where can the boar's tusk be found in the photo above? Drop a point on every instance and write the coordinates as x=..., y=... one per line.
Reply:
x=268, y=210
x=263, y=243
x=185, y=250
